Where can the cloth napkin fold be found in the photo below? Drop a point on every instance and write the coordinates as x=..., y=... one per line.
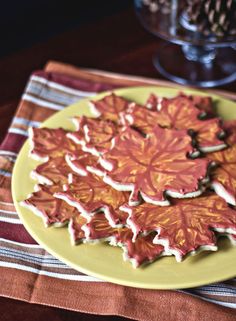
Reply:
x=28, y=272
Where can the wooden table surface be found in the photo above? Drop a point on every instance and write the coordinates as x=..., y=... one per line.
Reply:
x=117, y=43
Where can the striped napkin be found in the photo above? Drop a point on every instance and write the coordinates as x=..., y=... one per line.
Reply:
x=28, y=272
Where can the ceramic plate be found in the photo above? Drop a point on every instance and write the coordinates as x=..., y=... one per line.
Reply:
x=106, y=262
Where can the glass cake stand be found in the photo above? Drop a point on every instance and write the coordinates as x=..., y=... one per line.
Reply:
x=208, y=60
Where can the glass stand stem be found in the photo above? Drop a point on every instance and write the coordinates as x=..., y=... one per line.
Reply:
x=199, y=53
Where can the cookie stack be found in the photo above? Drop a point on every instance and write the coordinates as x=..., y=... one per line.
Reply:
x=155, y=179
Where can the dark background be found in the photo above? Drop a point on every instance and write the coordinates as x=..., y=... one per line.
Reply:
x=26, y=22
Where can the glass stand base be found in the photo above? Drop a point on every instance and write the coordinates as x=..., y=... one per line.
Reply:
x=173, y=62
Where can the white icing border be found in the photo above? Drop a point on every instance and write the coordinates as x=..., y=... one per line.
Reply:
x=83, y=143
x=40, y=178
x=210, y=149
x=74, y=138
x=75, y=122
x=86, y=229
x=232, y=240
x=130, y=188
x=95, y=171
x=93, y=109
x=86, y=133
x=70, y=178
x=39, y=213
x=77, y=170
x=178, y=256
x=71, y=233
x=222, y=192
x=133, y=261
x=225, y=230
x=86, y=214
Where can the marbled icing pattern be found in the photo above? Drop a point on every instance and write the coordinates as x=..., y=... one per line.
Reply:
x=225, y=173
x=186, y=225
x=90, y=194
x=94, y=134
x=178, y=113
x=204, y=103
x=140, y=251
x=48, y=142
x=153, y=166
x=53, y=211
x=109, y=107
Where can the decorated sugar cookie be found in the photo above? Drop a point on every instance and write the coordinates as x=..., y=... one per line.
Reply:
x=47, y=142
x=94, y=135
x=224, y=175
x=54, y=171
x=153, y=102
x=143, y=250
x=180, y=113
x=52, y=210
x=186, y=226
x=60, y=170
x=155, y=166
x=204, y=103
x=75, y=228
x=98, y=228
x=89, y=194
x=109, y=107
x=182, y=116
x=142, y=119
x=209, y=135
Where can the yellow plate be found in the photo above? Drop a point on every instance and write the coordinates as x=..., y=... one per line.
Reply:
x=103, y=261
